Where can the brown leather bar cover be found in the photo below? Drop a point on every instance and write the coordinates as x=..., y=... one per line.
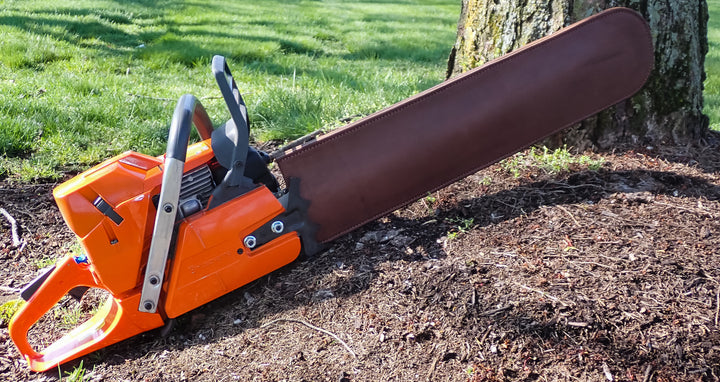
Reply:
x=396, y=156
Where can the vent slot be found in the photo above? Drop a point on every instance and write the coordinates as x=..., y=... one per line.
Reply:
x=197, y=184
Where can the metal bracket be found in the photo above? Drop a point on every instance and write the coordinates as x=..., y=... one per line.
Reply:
x=162, y=235
x=294, y=218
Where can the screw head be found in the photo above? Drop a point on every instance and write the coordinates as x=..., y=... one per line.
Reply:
x=148, y=305
x=154, y=280
x=168, y=208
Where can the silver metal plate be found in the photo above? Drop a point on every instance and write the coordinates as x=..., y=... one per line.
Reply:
x=162, y=235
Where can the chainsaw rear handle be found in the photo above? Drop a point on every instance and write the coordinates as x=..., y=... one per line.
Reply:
x=67, y=275
x=116, y=320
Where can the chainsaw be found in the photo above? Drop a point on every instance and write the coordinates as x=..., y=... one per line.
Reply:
x=165, y=235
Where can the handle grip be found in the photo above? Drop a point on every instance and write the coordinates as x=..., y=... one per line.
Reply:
x=188, y=111
x=231, y=94
x=231, y=141
x=116, y=320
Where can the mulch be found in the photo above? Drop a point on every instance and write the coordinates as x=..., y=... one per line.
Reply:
x=607, y=275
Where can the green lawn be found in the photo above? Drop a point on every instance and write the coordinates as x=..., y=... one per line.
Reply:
x=81, y=81
x=712, y=66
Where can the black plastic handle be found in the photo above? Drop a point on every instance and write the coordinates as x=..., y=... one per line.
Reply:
x=230, y=142
x=188, y=111
x=231, y=93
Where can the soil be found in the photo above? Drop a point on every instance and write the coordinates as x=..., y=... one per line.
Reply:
x=607, y=275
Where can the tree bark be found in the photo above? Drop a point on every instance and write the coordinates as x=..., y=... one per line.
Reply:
x=667, y=110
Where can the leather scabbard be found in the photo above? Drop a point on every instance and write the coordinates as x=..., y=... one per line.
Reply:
x=391, y=158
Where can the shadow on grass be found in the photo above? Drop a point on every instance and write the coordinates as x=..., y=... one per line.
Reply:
x=78, y=26
x=73, y=32
x=99, y=29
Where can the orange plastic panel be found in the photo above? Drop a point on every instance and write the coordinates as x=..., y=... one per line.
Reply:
x=211, y=259
x=113, y=181
x=116, y=251
x=127, y=183
x=116, y=180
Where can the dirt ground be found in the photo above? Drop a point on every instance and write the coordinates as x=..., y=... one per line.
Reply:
x=607, y=275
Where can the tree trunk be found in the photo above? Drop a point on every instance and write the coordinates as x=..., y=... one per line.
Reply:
x=667, y=110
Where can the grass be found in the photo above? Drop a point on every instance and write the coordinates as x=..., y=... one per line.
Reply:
x=76, y=375
x=69, y=316
x=550, y=161
x=44, y=261
x=81, y=81
x=712, y=67
x=460, y=226
x=8, y=310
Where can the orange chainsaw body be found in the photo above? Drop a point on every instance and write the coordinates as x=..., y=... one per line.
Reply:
x=210, y=258
x=165, y=235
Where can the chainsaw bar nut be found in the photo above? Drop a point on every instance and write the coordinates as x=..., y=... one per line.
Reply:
x=250, y=241
x=277, y=226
